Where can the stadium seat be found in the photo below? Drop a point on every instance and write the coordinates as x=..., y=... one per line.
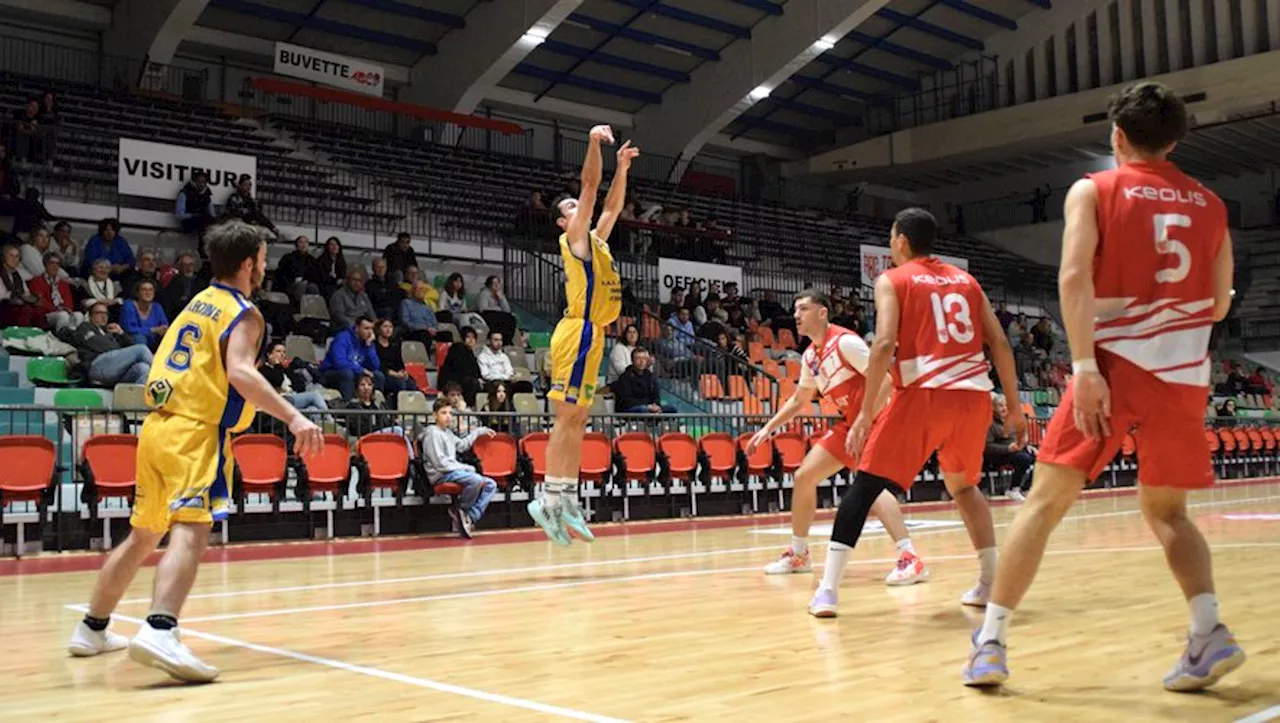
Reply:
x=650, y=328
x=540, y=339
x=755, y=352
x=261, y=468
x=757, y=464
x=792, y=368
x=313, y=306
x=442, y=350
x=792, y=448
x=786, y=340
x=50, y=372
x=411, y=402
x=27, y=474
x=533, y=449
x=526, y=403
x=498, y=458
x=414, y=352
x=300, y=347
x=737, y=388
x=709, y=387
x=638, y=453
x=519, y=360
x=418, y=373
x=328, y=472
x=678, y=462
x=108, y=467
x=766, y=336
x=752, y=406
x=772, y=368
x=786, y=390
x=719, y=458
x=383, y=464
x=78, y=399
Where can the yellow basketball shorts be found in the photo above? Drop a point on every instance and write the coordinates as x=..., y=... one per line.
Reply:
x=577, y=348
x=180, y=463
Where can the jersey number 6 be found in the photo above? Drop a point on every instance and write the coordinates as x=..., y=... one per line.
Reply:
x=180, y=358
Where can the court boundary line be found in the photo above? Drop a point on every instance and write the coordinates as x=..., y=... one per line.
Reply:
x=436, y=685
x=631, y=560
x=696, y=572
x=1262, y=716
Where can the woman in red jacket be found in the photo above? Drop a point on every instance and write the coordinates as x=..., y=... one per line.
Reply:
x=54, y=294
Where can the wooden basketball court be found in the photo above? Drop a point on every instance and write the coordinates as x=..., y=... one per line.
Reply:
x=661, y=621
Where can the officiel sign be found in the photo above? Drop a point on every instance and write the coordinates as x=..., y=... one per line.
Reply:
x=338, y=71
x=875, y=260
x=678, y=272
x=159, y=170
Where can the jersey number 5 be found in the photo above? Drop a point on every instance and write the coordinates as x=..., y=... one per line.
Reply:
x=180, y=358
x=1162, y=222
x=951, y=316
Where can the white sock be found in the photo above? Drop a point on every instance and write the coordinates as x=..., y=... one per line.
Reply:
x=996, y=625
x=904, y=545
x=987, y=565
x=554, y=488
x=833, y=569
x=799, y=545
x=1204, y=613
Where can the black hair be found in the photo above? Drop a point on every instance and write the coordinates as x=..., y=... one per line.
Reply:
x=450, y=387
x=638, y=350
x=920, y=228
x=556, y=213
x=488, y=283
x=361, y=319
x=440, y=403
x=111, y=223
x=1151, y=115
x=231, y=242
x=468, y=330
x=816, y=297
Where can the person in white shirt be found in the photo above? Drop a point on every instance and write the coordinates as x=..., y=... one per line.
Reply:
x=495, y=366
x=102, y=288
x=33, y=256
x=620, y=356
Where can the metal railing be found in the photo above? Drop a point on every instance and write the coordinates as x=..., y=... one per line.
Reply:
x=61, y=63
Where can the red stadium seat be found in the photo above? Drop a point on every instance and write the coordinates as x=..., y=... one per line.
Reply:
x=442, y=350
x=597, y=457
x=722, y=454
x=27, y=467
x=498, y=457
x=639, y=454
x=261, y=464
x=418, y=373
x=385, y=458
x=109, y=468
x=792, y=447
x=326, y=472
x=709, y=387
x=681, y=452
x=534, y=446
x=761, y=461
x=737, y=387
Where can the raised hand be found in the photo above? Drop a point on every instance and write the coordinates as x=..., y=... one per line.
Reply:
x=626, y=154
x=602, y=134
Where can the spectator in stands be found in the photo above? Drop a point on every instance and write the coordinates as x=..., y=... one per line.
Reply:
x=28, y=132
x=349, y=302
x=731, y=345
x=1025, y=356
x=49, y=108
x=495, y=366
x=182, y=287
x=1258, y=382
x=636, y=391
x=142, y=318
x=500, y=401
x=107, y=355
x=841, y=316
x=110, y=245
x=33, y=256
x=1018, y=327
x=771, y=311
x=453, y=297
x=273, y=369
x=730, y=300
x=54, y=292
x=667, y=310
x=460, y=366
x=1039, y=202
x=1227, y=408
x=452, y=393
x=18, y=306
x=331, y=267
x=194, y=206
x=400, y=256
x=418, y=318
x=492, y=298
x=382, y=293
x=244, y=206
x=1042, y=334
x=350, y=355
x=298, y=272
x=102, y=288
x=693, y=297
x=1003, y=315
x=390, y=359
x=631, y=305
x=67, y=246
x=620, y=356
x=146, y=270
x=29, y=212
x=737, y=320
x=677, y=359
x=713, y=311
x=359, y=425
x=683, y=325
x=440, y=450
x=1003, y=448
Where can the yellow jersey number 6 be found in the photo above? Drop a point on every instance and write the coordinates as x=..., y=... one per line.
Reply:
x=180, y=358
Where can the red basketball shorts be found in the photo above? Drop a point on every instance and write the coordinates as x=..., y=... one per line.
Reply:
x=918, y=422
x=833, y=442
x=1166, y=420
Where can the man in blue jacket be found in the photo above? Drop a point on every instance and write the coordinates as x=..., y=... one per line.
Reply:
x=350, y=355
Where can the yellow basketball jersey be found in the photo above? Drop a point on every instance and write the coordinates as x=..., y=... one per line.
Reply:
x=189, y=375
x=594, y=287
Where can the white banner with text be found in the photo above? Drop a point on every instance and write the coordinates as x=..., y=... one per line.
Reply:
x=160, y=170
x=877, y=259
x=713, y=277
x=338, y=71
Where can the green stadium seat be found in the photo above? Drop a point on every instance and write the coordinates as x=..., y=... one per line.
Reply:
x=48, y=371
x=540, y=339
x=79, y=399
x=14, y=333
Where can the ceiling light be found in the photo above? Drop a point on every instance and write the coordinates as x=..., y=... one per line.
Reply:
x=760, y=92
x=536, y=35
x=823, y=44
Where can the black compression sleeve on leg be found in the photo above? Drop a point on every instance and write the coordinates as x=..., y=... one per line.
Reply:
x=854, y=507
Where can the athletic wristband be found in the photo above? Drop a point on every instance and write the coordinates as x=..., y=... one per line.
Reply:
x=1084, y=365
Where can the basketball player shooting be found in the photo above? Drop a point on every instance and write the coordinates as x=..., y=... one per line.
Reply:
x=594, y=292
x=1146, y=271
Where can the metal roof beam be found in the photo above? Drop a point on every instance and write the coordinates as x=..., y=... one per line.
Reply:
x=901, y=81
x=837, y=90
x=684, y=16
x=449, y=20
x=929, y=28
x=641, y=36
x=762, y=5
x=901, y=51
x=599, y=86
x=983, y=14
x=615, y=61
x=331, y=27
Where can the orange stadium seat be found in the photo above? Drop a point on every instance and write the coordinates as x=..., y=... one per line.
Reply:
x=597, y=457
x=786, y=390
x=771, y=368
x=418, y=373
x=261, y=468
x=499, y=456
x=737, y=387
x=442, y=350
x=752, y=406
x=755, y=352
x=534, y=447
x=786, y=340
x=27, y=467
x=709, y=387
x=681, y=453
x=650, y=328
x=327, y=472
x=639, y=454
x=766, y=336
x=762, y=386
x=761, y=461
x=721, y=453
x=793, y=369
x=792, y=447
x=385, y=458
x=109, y=468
